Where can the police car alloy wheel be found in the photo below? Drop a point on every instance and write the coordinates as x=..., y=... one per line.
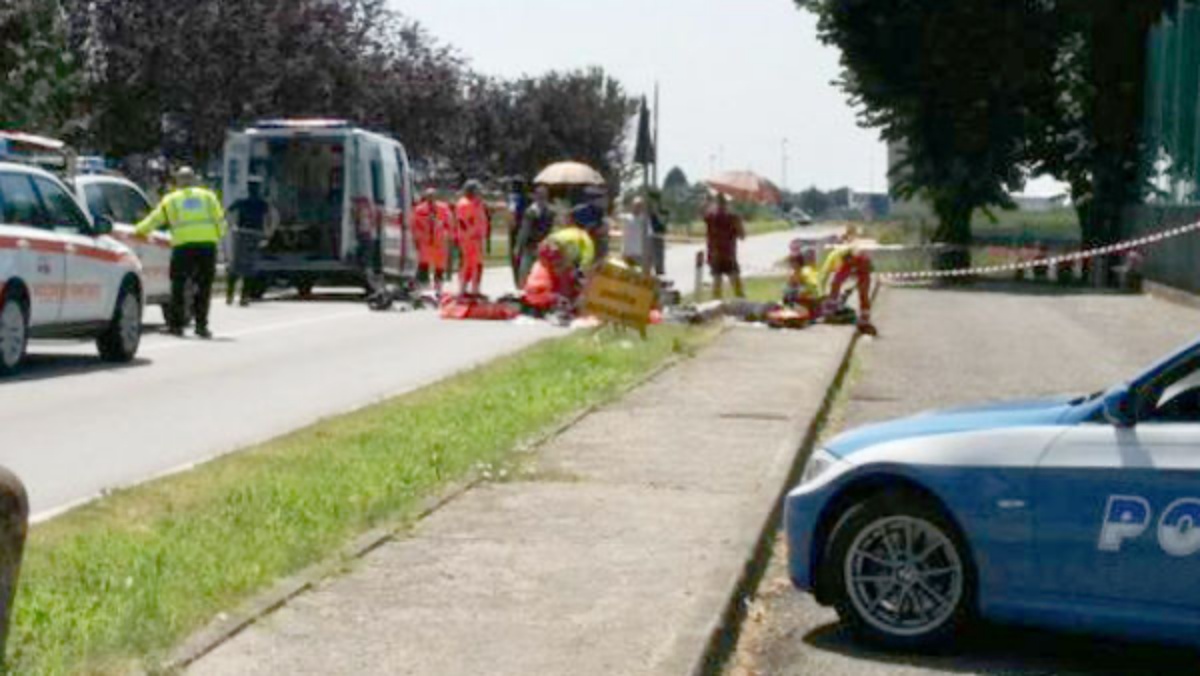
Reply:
x=902, y=576
x=120, y=342
x=14, y=335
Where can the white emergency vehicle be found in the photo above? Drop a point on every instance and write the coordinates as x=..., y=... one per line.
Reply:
x=107, y=194
x=61, y=274
x=343, y=197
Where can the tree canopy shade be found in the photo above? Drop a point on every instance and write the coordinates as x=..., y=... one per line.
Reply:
x=40, y=79
x=951, y=80
x=985, y=92
x=128, y=77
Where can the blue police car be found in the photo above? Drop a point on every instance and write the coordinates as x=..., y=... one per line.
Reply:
x=1080, y=514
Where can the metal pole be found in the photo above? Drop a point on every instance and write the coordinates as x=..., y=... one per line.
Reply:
x=785, y=165
x=654, y=181
x=14, y=524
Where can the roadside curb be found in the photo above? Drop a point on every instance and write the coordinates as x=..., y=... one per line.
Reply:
x=1171, y=294
x=722, y=632
x=226, y=626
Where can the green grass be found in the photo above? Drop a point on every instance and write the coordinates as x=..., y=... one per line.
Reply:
x=1057, y=225
x=758, y=289
x=116, y=584
x=764, y=289
x=1010, y=227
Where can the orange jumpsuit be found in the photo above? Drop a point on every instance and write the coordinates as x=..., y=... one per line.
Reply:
x=432, y=227
x=471, y=234
x=551, y=280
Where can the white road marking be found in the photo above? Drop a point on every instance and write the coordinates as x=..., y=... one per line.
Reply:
x=270, y=328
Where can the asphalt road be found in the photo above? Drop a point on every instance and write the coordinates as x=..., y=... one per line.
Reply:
x=73, y=428
x=942, y=348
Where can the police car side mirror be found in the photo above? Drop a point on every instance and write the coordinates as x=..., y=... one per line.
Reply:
x=104, y=226
x=1120, y=407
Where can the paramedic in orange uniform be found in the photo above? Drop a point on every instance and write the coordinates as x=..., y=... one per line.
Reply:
x=552, y=282
x=432, y=225
x=471, y=234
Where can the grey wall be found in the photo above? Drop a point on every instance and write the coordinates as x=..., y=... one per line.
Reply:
x=1175, y=261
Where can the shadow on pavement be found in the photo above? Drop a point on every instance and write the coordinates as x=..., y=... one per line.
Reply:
x=1015, y=288
x=992, y=649
x=47, y=366
x=325, y=296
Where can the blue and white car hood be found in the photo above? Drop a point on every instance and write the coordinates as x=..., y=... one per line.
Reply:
x=1048, y=412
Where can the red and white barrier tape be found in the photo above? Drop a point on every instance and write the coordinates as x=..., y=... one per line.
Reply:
x=1042, y=262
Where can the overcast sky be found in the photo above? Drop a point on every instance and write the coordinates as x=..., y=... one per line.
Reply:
x=737, y=76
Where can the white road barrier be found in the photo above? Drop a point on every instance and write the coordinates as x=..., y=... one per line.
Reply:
x=1040, y=262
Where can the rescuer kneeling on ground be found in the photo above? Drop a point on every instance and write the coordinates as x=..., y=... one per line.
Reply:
x=556, y=280
x=196, y=222
x=842, y=264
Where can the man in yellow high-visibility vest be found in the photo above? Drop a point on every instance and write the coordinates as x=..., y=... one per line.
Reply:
x=196, y=222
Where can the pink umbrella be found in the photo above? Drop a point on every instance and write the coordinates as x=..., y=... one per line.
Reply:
x=745, y=186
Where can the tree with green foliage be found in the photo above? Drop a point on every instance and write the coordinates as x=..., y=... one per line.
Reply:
x=1090, y=118
x=172, y=77
x=675, y=180
x=507, y=128
x=40, y=79
x=951, y=80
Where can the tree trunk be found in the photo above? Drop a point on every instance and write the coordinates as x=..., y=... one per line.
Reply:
x=954, y=232
x=1119, y=30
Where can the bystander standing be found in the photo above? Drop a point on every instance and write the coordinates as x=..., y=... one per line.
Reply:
x=723, y=229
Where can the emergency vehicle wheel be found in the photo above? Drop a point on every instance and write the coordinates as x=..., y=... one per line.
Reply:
x=900, y=573
x=14, y=335
x=119, y=343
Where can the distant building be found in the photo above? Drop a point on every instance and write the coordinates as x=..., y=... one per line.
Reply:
x=872, y=205
x=1036, y=204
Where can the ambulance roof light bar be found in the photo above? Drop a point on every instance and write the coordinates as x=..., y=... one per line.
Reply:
x=303, y=123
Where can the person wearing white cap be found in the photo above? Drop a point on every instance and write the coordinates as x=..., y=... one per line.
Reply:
x=196, y=222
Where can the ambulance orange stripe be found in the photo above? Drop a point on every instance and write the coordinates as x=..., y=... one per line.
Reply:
x=44, y=246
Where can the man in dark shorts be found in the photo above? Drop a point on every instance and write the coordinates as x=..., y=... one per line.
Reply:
x=724, y=229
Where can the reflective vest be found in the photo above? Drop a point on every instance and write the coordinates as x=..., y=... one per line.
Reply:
x=806, y=283
x=577, y=243
x=193, y=215
x=832, y=263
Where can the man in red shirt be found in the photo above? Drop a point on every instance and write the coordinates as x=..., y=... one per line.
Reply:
x=724, y=229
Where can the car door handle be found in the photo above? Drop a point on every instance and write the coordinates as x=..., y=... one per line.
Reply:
x=22, y=244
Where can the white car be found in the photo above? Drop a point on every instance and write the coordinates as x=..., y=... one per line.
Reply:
x=123, y=202
x=61, y=275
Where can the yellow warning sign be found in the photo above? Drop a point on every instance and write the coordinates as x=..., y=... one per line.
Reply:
x=618, y=295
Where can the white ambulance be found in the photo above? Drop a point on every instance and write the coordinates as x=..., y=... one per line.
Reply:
x=344, y=200
x=61, y=275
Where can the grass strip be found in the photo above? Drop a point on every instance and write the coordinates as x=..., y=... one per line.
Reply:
x=758, y=289
x=115, y=584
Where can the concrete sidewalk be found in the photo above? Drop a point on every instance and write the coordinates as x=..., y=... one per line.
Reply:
x=619, y=556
